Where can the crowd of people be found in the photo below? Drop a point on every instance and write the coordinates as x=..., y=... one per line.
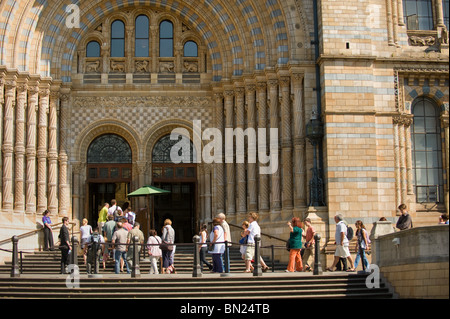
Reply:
x=118, y=226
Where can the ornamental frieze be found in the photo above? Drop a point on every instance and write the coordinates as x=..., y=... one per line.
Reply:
x=140, y=101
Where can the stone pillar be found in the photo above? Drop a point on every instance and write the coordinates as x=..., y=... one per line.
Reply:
x=219, y=167
x=207, y=192
x=274, y=123
x=44, y=93
x=30, y=193
x=53, y=151
x=444, y=123
x=264, y=192
x=64, y=187
x=7, y=147
x=155, y=46
x=252, y=204
x=286, y=143
x=439, y=14
x=397, y=164
x=229, y=123
x=299, y=134
x=2, y=100
x=240, y=153
x=19, y=197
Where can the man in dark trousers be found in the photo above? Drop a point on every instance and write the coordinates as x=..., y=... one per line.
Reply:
x=64, y=245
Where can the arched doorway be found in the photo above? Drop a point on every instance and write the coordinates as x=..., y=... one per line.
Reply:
x=180, y=205
x=109, y=173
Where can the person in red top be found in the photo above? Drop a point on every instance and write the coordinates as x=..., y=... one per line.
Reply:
x=309, y=245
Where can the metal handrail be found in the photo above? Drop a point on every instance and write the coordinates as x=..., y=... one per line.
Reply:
x=33, y=232
x=262, y=234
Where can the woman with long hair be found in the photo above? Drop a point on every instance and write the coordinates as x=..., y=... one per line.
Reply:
x=362, y=245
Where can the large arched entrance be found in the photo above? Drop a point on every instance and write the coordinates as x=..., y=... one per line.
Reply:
x=180, y=205
x=109, y=173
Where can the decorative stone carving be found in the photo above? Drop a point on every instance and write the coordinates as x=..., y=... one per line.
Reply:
x=422, y=41
x=141, y=66
x=190, y=67
x=149, y=101
x=167, y=67
x=117, y=66
x=93, y=67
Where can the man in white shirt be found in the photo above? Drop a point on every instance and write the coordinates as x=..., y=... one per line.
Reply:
x=252, y=230
x=342, y=242
x=114, y=209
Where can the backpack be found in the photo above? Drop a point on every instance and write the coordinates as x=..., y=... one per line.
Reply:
x=349, y=233
x=95, y=239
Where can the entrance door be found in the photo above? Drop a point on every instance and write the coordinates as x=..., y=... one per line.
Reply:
x=180, y=206
x=101, y=193
x=108, y=173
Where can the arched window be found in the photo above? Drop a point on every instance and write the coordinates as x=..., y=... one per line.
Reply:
x=93, y=49
x=427, y=152
x=162, y=149
x=166, y=39
x=109, y=148
x=141, y=48
x=190, y=49
x=117, y=39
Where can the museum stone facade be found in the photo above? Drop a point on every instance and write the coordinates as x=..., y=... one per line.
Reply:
x=358, y=93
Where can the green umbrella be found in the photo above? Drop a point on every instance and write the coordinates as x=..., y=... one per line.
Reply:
x=148, y=191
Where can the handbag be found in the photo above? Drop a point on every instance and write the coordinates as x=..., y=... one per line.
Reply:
x=288, y=246
x=243, y=240
x=166, y=246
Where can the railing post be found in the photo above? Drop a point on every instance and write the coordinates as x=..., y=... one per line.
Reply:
x=74, y=254
x=15, y=270
x=317, y=265
x=257, y=272
x=226, y=261
x=196, y=270
x=135, y=269
x=273, y=258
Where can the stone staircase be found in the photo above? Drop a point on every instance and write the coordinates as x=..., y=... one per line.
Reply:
x=48, y=262
x=236, y=286
x=41, y=279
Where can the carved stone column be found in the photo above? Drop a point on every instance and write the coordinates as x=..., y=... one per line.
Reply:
x=7, y=147
x=299, y=141
x=264, y=192
x=444, y=123
x=240, y=153
x=229, y=121
x=19, y=197
x=274, y=123
x=76, y=197
x=30, y=194
x=2, y=100
x=53, y=151
x=401, y=128
x=253, y=147
x=155, y=46
x=398, y=195
x=286, y=142
x=44, y=93
x=207, y=193
x=219, y=167
x=64, y=187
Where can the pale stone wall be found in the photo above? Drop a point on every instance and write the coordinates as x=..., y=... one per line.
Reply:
x=415, y=261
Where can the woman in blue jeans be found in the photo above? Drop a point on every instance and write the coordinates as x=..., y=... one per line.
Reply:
x=362, y=245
